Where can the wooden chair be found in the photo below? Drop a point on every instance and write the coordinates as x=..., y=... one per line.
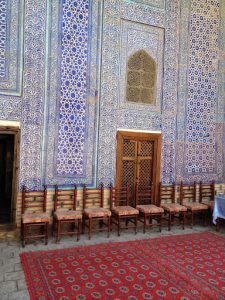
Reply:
x=65, y=204
x=34, y=215
x=146, y=209
x=168, y=203
x=206, y=194
x=93, y=202
x=119, y=205
x=188, y=199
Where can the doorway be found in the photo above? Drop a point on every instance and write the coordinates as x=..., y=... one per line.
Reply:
x=138, y=160
x=8, y=174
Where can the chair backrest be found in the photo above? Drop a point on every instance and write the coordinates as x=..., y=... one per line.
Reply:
x=119, y=196
x=65, y=199
x=144, y=195
x=93, y=197
x=34, y=201
x=167, y=193
x=187, y=192
x=206, y=191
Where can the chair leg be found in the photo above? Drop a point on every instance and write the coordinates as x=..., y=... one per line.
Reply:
x=118, y=225
x=101, y=224
x=46, y=232
x=145, y=220
x=90, y=227
x=169, y=221
x=135, y=220
x=22, y=234
x=192, y=219
x=58, y=231
x=78, y=229
x=160, y=223
x=111, y=218
x=53, y=227
x=25, y=235
x=83, y=224
x=183, y=219
x=109, y=226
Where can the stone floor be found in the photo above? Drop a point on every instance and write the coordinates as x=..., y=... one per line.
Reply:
x=12, y=280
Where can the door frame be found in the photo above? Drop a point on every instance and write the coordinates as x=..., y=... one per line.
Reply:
x=13, y=130
x=157, y=137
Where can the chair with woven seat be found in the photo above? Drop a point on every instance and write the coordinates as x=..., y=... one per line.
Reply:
x=121, y=210
x=206, y=194
x=65, y=205
x=168, y=203
x=34, y=215
x=93, y=209
x=147, y=210
x=188, y=199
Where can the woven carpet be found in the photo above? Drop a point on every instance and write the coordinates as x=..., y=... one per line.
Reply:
x=189, y=266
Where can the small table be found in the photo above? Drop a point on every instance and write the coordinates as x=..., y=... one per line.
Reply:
x=219, y=209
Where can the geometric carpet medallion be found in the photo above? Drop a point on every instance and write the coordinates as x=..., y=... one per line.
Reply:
x=188, y=266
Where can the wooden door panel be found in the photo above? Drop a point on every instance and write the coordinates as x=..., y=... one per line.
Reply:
x=145, y=174
x=128, y=172
x=129, y=161
x=145, y=161
x=146, y=148
x=137, y=160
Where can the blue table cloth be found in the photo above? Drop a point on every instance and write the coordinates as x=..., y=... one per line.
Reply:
x=219, y=208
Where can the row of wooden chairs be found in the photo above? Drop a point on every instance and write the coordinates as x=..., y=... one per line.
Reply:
x=65, y=209
x=187, y=201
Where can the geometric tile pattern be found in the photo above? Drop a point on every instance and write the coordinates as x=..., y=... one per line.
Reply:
x=170, y=91
x=11, y=46
x=200, y=121
x=154, y=3
x=136, y=37
x=72, y=92
x=32, y=119
x=191, y=119
x=202, y=87
x=73, y=85
x=3, y=23
x=139, y=22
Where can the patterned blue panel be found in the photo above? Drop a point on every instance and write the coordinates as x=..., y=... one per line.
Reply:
x=200, y=141
x=11, y=46
x=170, y=96
x=33, y=94
x=202, y=87
x=3, y=23
x=70, y=157
x=71, y=92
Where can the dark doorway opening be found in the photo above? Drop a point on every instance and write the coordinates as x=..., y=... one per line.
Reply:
x=7, y=145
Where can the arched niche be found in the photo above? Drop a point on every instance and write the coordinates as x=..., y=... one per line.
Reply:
x=141, y=78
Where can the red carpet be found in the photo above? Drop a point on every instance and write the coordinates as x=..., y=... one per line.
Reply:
x=190, y=266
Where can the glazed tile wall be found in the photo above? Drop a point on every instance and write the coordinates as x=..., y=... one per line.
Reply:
x=133, y=38
x=113, y=115
x=72, y=92
x=3, y=42
x=71, y=100
x=27, y=26
x=200, y=132
x=11, y=56
x=71, y=112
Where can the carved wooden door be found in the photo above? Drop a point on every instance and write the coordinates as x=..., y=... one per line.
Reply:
x=138, y=157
